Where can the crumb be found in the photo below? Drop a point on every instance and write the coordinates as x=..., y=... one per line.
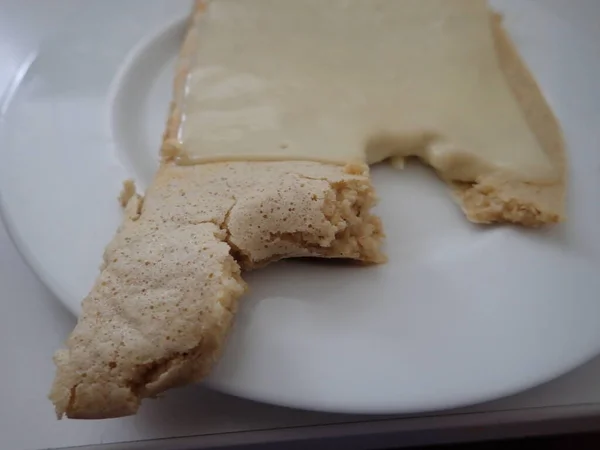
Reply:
x=171, y=149
x=127, y=192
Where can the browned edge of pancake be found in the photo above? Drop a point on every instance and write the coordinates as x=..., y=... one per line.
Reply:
x=493, y=199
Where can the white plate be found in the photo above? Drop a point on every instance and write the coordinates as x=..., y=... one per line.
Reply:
x=460, y=314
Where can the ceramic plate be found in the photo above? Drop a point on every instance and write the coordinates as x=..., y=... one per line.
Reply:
x=460, y=314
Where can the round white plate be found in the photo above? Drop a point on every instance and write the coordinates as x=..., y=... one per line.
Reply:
x=460, y=314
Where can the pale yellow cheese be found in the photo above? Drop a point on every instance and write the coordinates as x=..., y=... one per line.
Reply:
x=356, y=81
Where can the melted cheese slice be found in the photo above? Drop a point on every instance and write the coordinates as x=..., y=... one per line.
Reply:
x=343, y=81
